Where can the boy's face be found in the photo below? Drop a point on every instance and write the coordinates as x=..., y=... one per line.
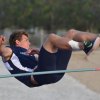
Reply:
x=24, y=42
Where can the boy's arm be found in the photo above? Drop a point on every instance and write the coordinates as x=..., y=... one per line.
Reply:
x=5, y=52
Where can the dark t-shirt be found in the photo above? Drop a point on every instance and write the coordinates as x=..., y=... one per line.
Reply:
x=21, y=62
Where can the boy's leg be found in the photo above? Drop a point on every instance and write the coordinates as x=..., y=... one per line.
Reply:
x=91, y=41
x=53, y=42
x=80, y=35
x=51, y=46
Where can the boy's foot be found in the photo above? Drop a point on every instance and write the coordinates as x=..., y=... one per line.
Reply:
x=89, y=46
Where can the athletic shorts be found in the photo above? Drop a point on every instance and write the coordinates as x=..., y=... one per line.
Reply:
x=52, y=62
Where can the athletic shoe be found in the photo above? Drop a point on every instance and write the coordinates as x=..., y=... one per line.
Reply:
x=89, y=46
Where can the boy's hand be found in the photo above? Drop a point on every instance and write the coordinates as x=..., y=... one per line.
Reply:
x=2, y=40
x=34, y=51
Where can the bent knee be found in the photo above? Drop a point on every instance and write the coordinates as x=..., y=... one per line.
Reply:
x=72, y=31
x=51, y=36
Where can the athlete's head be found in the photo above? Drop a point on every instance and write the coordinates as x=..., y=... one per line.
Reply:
x=19, y=38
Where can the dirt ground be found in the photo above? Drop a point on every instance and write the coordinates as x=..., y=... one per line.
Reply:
x=90, y=79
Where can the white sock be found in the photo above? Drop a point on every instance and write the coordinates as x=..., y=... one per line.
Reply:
x=74, y=45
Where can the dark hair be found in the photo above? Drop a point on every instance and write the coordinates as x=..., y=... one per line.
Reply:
x=16, y=35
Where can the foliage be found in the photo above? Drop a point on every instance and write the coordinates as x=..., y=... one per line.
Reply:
x=50, y=14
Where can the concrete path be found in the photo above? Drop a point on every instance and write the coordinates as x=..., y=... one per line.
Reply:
x=66, y=89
